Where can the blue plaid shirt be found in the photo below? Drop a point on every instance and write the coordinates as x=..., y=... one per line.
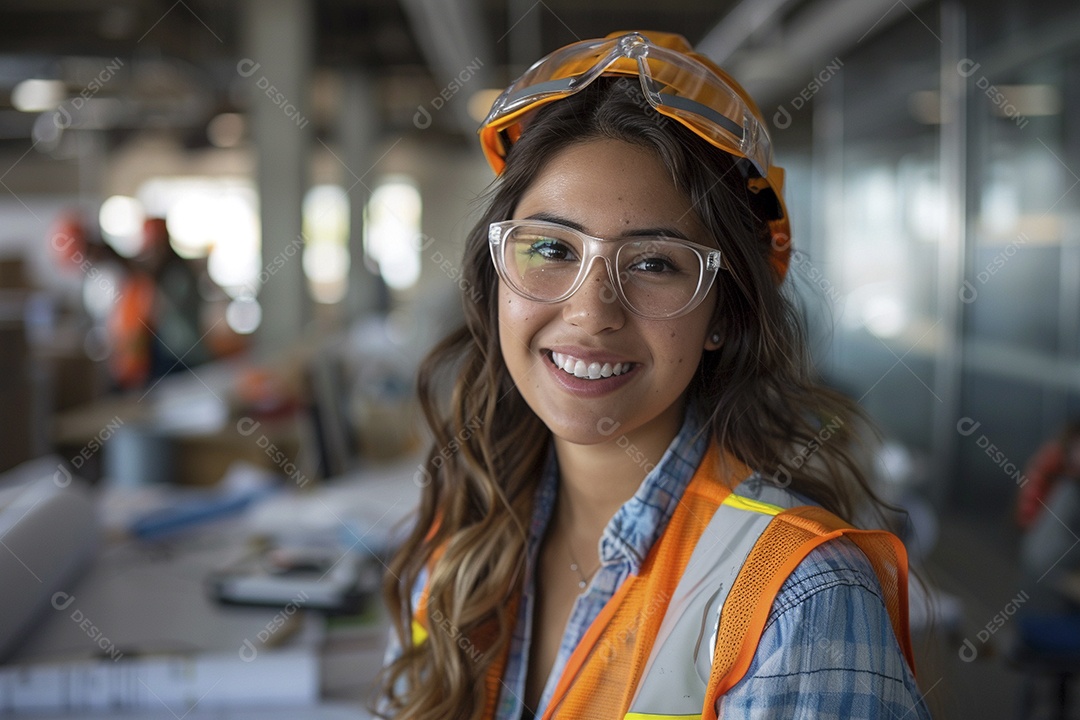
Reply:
x=827, y=650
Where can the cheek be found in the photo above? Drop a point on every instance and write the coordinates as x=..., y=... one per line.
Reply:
x=677, y=350
x=683, y=346
x=516, y=320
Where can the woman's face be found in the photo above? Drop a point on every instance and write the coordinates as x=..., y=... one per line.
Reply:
x=609, y=189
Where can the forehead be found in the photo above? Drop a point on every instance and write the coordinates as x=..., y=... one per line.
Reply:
x=609, y=187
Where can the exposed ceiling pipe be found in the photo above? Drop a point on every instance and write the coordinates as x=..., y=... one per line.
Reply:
x=738, y=26
x=831, y=28
x=452, y=38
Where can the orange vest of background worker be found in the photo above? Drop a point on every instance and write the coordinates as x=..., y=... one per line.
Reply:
x=722, y=551
x=129, y=332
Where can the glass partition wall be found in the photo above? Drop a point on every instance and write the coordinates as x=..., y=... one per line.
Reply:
x=941, y=267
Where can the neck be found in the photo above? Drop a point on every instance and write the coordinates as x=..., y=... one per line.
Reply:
x=595, y=480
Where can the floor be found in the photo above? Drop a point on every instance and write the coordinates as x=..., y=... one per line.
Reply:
x=963, y=669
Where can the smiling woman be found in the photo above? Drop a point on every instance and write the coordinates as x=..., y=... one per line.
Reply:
x=620, y=537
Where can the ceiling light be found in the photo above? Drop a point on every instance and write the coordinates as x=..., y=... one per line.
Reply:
x=38, y=95
x=226, y=130
x=480, y=103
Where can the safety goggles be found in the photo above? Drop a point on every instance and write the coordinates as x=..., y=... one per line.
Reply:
x=674, y=83
x=653, y=277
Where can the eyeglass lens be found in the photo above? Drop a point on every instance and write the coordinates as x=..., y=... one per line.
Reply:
x=657, y=276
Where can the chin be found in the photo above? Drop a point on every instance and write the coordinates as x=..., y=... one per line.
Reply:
x=582, y=430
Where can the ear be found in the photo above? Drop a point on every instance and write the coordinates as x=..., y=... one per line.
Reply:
x=714, y=340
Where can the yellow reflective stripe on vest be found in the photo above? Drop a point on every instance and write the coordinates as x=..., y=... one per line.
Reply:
x=419, y=633
x=650, y=716
x=744, y=503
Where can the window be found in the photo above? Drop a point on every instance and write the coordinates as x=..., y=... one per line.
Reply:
x=391, y=229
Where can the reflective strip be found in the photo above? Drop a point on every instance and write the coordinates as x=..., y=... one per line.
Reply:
x=419, y=634
x=744, y=503
x=677, y=673
x=650, y=716
x=687, y=105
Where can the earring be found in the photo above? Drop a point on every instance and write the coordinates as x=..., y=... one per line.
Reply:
x=715, y=338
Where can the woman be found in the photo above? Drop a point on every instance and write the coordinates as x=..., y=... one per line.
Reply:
x=631, y=362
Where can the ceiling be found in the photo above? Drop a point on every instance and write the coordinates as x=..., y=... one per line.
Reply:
x=176, y=59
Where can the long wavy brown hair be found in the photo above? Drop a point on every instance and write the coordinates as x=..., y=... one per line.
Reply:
x=757, y=396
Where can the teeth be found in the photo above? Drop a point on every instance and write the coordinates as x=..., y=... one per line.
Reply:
x=591, y=371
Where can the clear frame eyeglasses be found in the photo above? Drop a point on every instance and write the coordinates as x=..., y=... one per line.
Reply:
x=653, y=277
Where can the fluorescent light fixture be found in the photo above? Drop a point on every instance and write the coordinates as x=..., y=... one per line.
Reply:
x=1029, y=100
x=1008, y=101
x=36, y=95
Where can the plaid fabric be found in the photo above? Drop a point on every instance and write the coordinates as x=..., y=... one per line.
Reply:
x=828, y=649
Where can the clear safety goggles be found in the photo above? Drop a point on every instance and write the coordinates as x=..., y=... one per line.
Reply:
x=654, y=277
x=674, y=84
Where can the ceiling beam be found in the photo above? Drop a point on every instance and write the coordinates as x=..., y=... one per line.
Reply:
x=739, y=25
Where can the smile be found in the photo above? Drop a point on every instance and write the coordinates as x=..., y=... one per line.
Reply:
x=588, y=371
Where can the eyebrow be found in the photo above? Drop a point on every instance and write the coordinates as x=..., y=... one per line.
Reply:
x=660, y=231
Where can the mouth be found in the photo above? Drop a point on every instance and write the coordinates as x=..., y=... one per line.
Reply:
x=584, y=370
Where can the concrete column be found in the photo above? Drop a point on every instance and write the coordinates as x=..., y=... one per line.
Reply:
x=357, y=139
x=954, y=250
x=277, y=63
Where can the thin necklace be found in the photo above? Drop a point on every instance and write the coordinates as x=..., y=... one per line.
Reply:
x=584, y=579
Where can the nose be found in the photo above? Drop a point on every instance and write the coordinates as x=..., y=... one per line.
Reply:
x=595, y=306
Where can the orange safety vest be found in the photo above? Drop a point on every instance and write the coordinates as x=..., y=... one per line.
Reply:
x=661, y=648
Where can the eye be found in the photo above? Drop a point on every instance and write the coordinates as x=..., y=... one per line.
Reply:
x=653, y=265
x=547, y=248
x=659, y=260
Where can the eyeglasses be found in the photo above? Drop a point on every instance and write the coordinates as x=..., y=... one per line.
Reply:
x=654, y=277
